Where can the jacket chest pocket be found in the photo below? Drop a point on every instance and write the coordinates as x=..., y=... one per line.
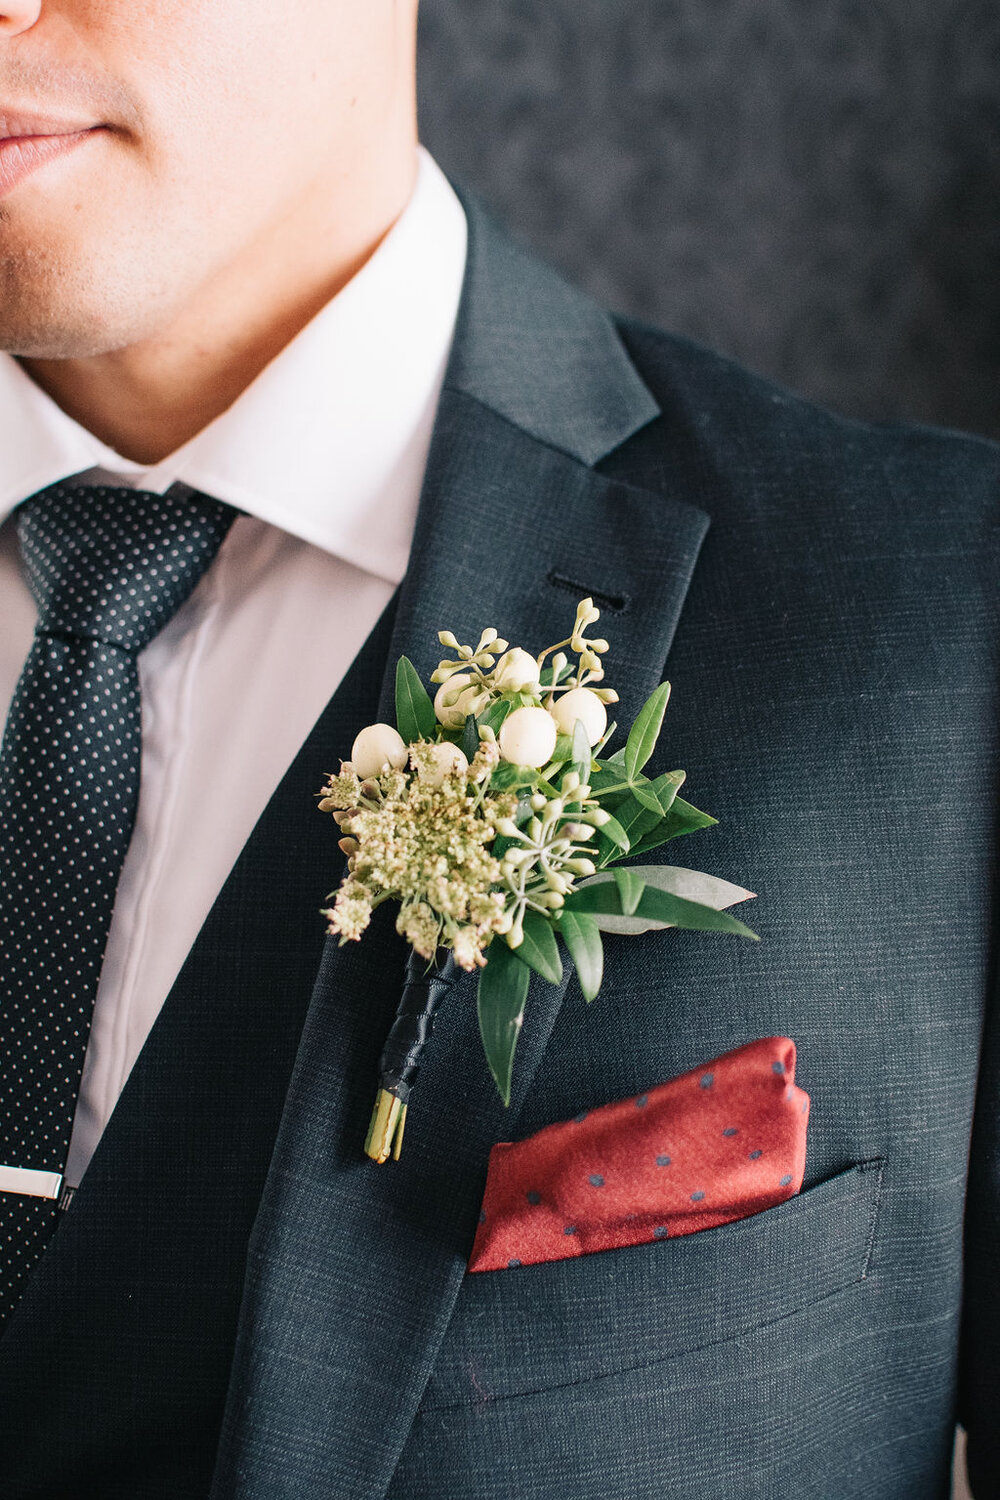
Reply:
x=533, y=1327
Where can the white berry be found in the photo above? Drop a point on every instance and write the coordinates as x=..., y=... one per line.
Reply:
x=582, y=704
x=471, y=700
x=377, y=746
x=516, y=672
x=442, y=761
x=528, y=737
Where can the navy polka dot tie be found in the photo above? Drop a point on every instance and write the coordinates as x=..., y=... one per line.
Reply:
x=108, y=569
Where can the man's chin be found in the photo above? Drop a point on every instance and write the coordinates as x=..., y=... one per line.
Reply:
x=53, y=347
x=61, y=303
x=58, y=334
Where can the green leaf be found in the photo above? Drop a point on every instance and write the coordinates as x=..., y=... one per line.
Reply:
x=595, y=899
x=506, y=777
x=630, y=889
x=682, y=818
x=415, y=716
x=470, y=737
x=582, y=937
x=600, y=898
x=675, y=911
x=539, y=950
x=493, y=717
x=645, y=731
x=643, y=793
x=631, y=819
x=692, y=885
x=613, y=831
x=658, y=796
x=605, y=775
x=503, y=990
x=581, y=752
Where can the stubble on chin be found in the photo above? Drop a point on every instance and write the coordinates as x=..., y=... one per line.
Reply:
x=57, y=304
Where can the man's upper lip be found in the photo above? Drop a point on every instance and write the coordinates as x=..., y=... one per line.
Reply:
x=14, y=123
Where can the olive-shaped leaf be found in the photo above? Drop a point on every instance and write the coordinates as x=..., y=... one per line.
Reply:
x=672, y=897
x=632, y=820
x=501, y=997
x=415, y=716
x=630, y=889
x=493, y=717
x=470, y=737
x=539, y=950
x=658, y=796
x=682, y=818
x=582, y=937
x=645, y=731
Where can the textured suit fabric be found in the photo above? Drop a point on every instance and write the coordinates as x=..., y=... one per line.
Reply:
x=822, y=596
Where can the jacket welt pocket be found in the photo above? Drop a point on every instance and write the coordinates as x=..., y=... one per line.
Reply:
x=544, y=1325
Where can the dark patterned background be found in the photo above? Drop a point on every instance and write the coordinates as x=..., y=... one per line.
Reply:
x=812, y=186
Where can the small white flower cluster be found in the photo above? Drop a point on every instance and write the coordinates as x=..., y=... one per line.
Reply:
x=423, y=839
x=549, y=853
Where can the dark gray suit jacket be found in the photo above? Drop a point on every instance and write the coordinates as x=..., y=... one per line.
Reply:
x=239, y=1304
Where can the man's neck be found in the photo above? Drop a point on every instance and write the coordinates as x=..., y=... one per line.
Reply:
x=147, y=399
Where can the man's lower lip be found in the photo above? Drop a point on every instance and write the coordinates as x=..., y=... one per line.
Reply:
x=24, y=154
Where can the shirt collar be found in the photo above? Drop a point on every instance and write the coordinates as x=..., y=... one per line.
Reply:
x=330, y=441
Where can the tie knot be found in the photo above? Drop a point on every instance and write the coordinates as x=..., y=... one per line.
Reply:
x=115, y=565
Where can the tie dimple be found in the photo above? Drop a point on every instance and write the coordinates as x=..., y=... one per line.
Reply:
x=108, y=568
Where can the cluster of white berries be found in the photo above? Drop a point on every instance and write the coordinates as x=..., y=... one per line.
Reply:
x=380, y=748
x=528, y=735
x=494, y=670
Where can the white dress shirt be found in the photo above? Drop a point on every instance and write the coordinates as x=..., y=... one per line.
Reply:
x=325, y=451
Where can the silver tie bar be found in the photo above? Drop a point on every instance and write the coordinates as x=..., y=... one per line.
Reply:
x=34, y=1184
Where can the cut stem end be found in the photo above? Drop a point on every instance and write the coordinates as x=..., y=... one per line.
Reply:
x=385, y=1132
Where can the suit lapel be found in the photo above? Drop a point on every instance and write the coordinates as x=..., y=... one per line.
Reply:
x=354, y=1268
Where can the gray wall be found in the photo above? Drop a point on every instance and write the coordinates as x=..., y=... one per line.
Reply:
x=812, y=186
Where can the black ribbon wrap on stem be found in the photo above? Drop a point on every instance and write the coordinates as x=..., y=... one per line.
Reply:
x=425, y=987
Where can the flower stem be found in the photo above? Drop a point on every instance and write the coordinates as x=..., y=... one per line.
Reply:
x=425, y=987
x=385, y=1133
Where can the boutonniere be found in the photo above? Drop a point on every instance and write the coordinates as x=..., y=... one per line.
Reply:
x=493, y=817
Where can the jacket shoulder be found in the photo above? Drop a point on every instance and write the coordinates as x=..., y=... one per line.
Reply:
x=721, y=419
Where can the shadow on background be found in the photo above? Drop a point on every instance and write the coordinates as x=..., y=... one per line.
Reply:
x=814, y=189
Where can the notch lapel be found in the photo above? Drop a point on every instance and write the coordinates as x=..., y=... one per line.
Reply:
x=353, y=1268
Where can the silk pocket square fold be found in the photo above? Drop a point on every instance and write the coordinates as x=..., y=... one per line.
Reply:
x=717, y=1144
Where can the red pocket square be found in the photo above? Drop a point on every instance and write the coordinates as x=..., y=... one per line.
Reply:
x=717, y=1144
